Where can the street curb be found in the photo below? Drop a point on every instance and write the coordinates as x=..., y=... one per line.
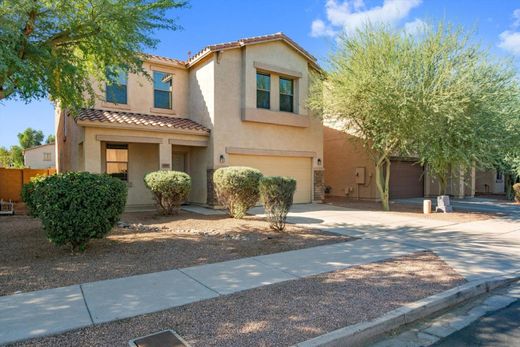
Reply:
x=362, y=333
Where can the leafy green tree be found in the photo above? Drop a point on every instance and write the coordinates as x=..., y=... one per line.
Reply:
x=50, y=139
x=5, y=157
x=54, y=48
x=468, y=101
x=369, y=92
x=30, y=138
x=436, y=96
x=16, y=156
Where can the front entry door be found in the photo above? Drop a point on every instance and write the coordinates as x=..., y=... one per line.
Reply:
x=179, y=161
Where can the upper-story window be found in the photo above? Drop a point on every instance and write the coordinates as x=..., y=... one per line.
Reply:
x=46, y=156
x=286, y=95
x=263, y=90
x=162, y=90
x=116, y=88
x=117, y=161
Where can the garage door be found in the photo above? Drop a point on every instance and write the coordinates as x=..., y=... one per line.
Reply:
x=298, y=168
x=406, y=180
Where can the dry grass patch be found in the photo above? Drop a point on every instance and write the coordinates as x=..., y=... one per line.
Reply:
x=155, y=243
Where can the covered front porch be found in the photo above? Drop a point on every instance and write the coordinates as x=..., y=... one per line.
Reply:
x=129, y=153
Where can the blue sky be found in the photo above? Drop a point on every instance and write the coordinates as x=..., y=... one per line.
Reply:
x=311, y=23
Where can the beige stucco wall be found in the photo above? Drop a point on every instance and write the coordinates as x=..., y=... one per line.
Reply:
x=34, y=157
x=486, y=182
x=144, y=158
x=235, y=81
x=343, y=154
x=140, y=91
x=69, y=139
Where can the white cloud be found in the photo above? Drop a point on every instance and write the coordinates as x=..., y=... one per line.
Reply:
x=352, y=14
x=516, y=16
x=319, y=28
x=415, y=27
x=510, y=39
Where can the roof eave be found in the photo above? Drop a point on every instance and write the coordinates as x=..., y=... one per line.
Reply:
x=164, y=129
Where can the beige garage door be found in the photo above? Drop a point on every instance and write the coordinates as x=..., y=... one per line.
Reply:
x=298, y=168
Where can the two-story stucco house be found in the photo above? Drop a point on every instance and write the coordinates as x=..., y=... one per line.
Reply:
x=237, y=103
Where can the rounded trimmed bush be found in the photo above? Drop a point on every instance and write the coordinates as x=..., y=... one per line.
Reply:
x=276, y=193
x=75, y=207
x=170, y=189
x=236, y=188
x=516, y=189
x=26, y=194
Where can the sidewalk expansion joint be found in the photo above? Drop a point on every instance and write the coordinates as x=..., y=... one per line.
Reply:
x=199, y=282
x=86, y=304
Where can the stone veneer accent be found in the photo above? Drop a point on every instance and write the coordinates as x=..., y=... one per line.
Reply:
x=319, y=185
x=211, y=198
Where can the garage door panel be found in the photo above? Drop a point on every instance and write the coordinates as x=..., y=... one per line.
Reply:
x=406, y=180
x=298, y=168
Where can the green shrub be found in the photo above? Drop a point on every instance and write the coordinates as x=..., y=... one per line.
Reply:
x=75, y=207
x=27, y=190
x=237, y=188
x=170, y=189
x=276, y=193
x=516, y=189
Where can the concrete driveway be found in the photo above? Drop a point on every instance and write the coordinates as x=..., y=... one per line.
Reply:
x=476, y=249
x=496, y=206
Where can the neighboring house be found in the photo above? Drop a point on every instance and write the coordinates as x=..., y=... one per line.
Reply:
x=40, y=157
x=237, y=103
x=350, y=172
x=489, y=182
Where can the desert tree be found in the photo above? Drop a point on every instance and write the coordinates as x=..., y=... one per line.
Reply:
x=468, y=101
x=369, y=91
x=52, y=48
x=435, y=96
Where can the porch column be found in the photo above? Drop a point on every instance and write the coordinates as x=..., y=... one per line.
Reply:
x=92, y=154
x=165, y=156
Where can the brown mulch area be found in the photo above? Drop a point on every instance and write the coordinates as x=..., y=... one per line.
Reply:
x=28, y=261
x=285, y=313
x=409, y=210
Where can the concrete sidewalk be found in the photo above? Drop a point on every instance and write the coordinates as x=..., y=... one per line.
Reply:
x=57, y=310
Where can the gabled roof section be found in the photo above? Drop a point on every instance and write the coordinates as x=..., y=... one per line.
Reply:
x=140, y=119
x=163, y=60
x=250, y=41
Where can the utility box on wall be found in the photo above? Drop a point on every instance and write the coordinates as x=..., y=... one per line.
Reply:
x=360, y=175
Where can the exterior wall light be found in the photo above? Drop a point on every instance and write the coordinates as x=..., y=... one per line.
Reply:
x=319, y=162
x=222, y=159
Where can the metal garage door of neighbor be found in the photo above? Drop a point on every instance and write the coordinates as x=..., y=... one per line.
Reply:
x=298, y=168
x=406, y=180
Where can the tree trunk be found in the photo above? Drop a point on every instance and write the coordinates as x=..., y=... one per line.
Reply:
x=443, y=183
x=383, y=181
x=508, y=183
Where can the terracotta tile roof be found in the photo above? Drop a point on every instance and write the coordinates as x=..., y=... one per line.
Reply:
x=120, y=117
x=251, y=40
x=163, y=59
x=235, y=44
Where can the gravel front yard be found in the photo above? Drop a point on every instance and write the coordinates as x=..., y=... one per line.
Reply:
x=28, y=261
x=285, y=313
